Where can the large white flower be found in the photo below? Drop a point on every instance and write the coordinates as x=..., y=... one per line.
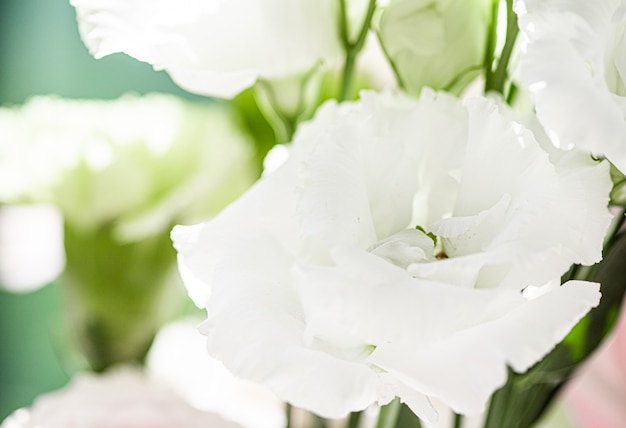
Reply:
x=574, y=62
x=119, y=399
x=215, y=47
x=320, y=283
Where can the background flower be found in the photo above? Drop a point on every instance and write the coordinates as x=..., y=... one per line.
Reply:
x=322, y=282
x=140, y=163
x=120, y=399
x=178, y=357
x=122, y=173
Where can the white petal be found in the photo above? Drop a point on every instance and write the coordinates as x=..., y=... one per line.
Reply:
x=211, y=47
x=465, y=368
x=259, y=211
x=255, y=326
x=360, y=185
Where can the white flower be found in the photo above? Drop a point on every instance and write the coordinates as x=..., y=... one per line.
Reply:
x=215, y=47
x=574, y=63
x=119, y=399
x=178, y=357
x=319, y=283
x=140, y=162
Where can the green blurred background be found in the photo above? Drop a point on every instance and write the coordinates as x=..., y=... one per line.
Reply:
x=41, y=53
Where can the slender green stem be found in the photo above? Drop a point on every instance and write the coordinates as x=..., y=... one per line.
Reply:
x=408, y=419
x=449, y=87
x=495, y=81
x=347, y=75
x=354, y=419
x=388, y=415
x=343, y=24
x=498, y=406
x=352, y=48
x=492, y=35
x=458, y=421
x=319, y=422
x=513, y=92
x=288, y=412
x=283, y=126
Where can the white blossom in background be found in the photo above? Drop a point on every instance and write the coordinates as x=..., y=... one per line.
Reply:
x=216, y=47
x=386, y=257
x=574, y=63
x=141, y=162
x=119, y=399
x=178, y=358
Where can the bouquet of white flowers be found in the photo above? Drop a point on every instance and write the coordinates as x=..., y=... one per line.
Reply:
x=423, y=247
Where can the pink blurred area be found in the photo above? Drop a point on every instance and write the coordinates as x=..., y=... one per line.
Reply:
x=597, y=396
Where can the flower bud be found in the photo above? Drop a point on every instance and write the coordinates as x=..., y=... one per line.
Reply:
x=436, y=43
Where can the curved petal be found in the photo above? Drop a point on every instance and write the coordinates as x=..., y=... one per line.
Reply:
x=211, y=47
x=255, y=326
x=519, y=339
x=200, y=247
x=362, y=183
x=526, y=212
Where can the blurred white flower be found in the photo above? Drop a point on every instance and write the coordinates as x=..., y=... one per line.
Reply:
x=178, y=357
x=217, y=47
x=140, y=162
x=119, y=399
x=326, y=283
x=574, y=63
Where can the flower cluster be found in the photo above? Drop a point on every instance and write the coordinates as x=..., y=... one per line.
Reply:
x=419, y=245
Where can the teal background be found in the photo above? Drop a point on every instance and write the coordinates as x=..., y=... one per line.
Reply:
x=41, y=53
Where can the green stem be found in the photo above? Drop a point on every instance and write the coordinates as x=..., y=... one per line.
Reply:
x=458, y=420
x=490, y=46
x=495, y=81
x=354, y=419
x=498, y=405
x=282, y=125
x=389, y=414
x=352, y=48
x=288, y=412
x=319, y=422
x=347, y=76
